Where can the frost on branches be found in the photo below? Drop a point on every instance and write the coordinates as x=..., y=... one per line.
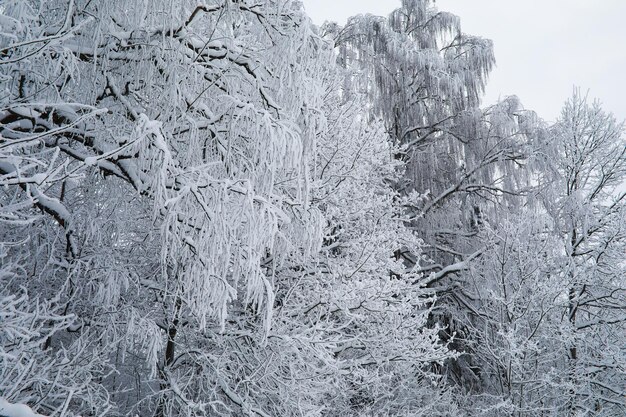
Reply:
x=172, y=175
x=215, y=208
x=479, y=185
x=549, y=289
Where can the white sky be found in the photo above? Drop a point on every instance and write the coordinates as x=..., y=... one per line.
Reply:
x=543, y=47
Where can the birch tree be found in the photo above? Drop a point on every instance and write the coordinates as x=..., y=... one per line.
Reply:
x=424, y=78
x=165, y=141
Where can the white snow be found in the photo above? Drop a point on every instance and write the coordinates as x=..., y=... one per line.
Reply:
x=16, y=410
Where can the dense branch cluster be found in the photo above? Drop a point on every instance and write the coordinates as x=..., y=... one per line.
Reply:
x=217, y=208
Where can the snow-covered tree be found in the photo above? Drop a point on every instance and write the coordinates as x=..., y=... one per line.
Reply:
x=166, y=141
x=511, y=320
x=424, y=78
x=207, y=215
x=585, y=198
x=365, y=289
x=544, y=308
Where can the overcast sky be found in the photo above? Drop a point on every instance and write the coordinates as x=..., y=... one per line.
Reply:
x=543, y=47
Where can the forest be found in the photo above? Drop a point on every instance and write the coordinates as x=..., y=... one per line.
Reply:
x=218, y=208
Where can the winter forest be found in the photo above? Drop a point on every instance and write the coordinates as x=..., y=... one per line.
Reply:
x=218, y=208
